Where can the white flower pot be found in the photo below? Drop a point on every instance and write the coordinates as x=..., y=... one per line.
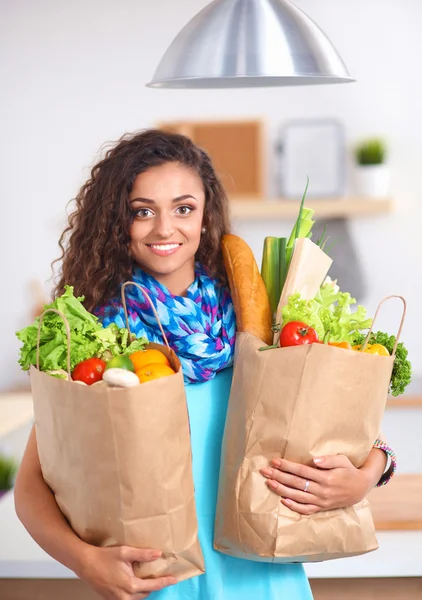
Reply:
x=372, y=181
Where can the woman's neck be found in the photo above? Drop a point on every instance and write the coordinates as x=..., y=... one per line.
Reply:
x=176, y=282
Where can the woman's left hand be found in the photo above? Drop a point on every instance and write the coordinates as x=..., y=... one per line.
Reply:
x=333, y=483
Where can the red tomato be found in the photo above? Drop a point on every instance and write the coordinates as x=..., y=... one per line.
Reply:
x=296, y=333
x=89, y=371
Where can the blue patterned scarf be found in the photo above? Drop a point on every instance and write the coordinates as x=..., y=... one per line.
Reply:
x=200, y=327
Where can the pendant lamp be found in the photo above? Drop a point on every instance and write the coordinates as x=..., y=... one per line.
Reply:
x=250, y=43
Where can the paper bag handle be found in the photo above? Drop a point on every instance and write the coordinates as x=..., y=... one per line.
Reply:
x=147, y=296
x=401, y=322
x=66, y=324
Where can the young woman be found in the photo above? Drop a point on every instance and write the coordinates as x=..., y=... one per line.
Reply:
x=154, y=212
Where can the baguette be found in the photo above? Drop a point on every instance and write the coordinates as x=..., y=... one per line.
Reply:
x=249, y=294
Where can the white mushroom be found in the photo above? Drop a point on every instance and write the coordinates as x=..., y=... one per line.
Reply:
x=120, y=378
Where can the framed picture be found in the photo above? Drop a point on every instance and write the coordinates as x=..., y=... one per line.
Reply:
x=314, y=149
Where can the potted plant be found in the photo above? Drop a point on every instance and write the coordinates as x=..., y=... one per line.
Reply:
x=372, y=172
x=8, y=469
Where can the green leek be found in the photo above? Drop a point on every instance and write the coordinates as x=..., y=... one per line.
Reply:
x=270, y=270
x=302, y=227
x=282, y=266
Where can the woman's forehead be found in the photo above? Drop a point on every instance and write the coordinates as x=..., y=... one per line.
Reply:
x=170, y=180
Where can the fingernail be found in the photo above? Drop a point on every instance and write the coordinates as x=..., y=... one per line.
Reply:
x=273, y=484
x=318, y=461
x=276, y=462
x=157, y=554
x=267, y=472
x=173, y=581
x=286, y=501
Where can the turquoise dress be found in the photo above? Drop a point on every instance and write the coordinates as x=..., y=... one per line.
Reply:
x=226, y=578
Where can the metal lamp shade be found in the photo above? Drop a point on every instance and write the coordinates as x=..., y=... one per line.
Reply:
x=250, y=43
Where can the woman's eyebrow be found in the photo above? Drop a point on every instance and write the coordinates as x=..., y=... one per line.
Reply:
x=149, y=201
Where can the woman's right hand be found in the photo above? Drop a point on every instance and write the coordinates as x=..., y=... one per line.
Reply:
x=109, y=572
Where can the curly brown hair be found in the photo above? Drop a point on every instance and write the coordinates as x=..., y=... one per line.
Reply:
x=95, y=243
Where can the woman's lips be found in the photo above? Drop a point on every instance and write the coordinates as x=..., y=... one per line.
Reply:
x=164, y=249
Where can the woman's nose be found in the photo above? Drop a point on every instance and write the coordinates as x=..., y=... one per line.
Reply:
x=164, y=225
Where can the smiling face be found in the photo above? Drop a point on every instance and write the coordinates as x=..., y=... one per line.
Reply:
x=168, y=205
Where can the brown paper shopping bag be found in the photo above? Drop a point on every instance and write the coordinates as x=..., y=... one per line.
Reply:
x=118, y=461
x=297, y=403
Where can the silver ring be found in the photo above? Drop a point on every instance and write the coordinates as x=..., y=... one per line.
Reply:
x=305, y=489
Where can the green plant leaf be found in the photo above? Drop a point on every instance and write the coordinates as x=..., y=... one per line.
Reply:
x=370, y=152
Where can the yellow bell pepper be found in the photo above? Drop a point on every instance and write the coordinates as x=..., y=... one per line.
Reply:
x=373, y=349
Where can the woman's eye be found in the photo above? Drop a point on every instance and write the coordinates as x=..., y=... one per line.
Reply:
x=143, y=213
x=184, y=210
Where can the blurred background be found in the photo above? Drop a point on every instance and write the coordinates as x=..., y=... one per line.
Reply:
x=73, y=78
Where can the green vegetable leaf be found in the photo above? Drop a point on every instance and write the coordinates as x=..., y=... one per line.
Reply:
x=77, y=315
x=329, y=312
x=340, y=321
x=88, y=337
x=402, y=368
x=138, y=344
x=60, y=374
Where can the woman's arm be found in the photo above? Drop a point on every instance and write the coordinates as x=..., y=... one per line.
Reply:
x=333, y=483
x=107, y=570
x=374, y=466
x=390, y=457
x=37, y=510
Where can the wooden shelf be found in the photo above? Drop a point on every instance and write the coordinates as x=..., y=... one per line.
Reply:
x=405, y=402
x=398, y=505
x=412, y=397
x=253, y=209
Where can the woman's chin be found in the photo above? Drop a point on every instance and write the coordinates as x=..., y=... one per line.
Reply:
x=166, y=266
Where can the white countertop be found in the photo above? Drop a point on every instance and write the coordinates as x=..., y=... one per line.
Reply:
x=400, y=555
x=16, y=410
x=20, y=556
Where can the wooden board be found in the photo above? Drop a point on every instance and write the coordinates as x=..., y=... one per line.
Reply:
x=398, y=505
x=45, y=589
x=236, y=150
x=394, y=588
x=405, y=402
x=412, y=398
x=405, y=588
x=249, y=210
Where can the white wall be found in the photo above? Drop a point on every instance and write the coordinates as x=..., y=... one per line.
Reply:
x=72, y=77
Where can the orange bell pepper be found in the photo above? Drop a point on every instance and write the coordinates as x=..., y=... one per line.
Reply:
x=345, y=345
